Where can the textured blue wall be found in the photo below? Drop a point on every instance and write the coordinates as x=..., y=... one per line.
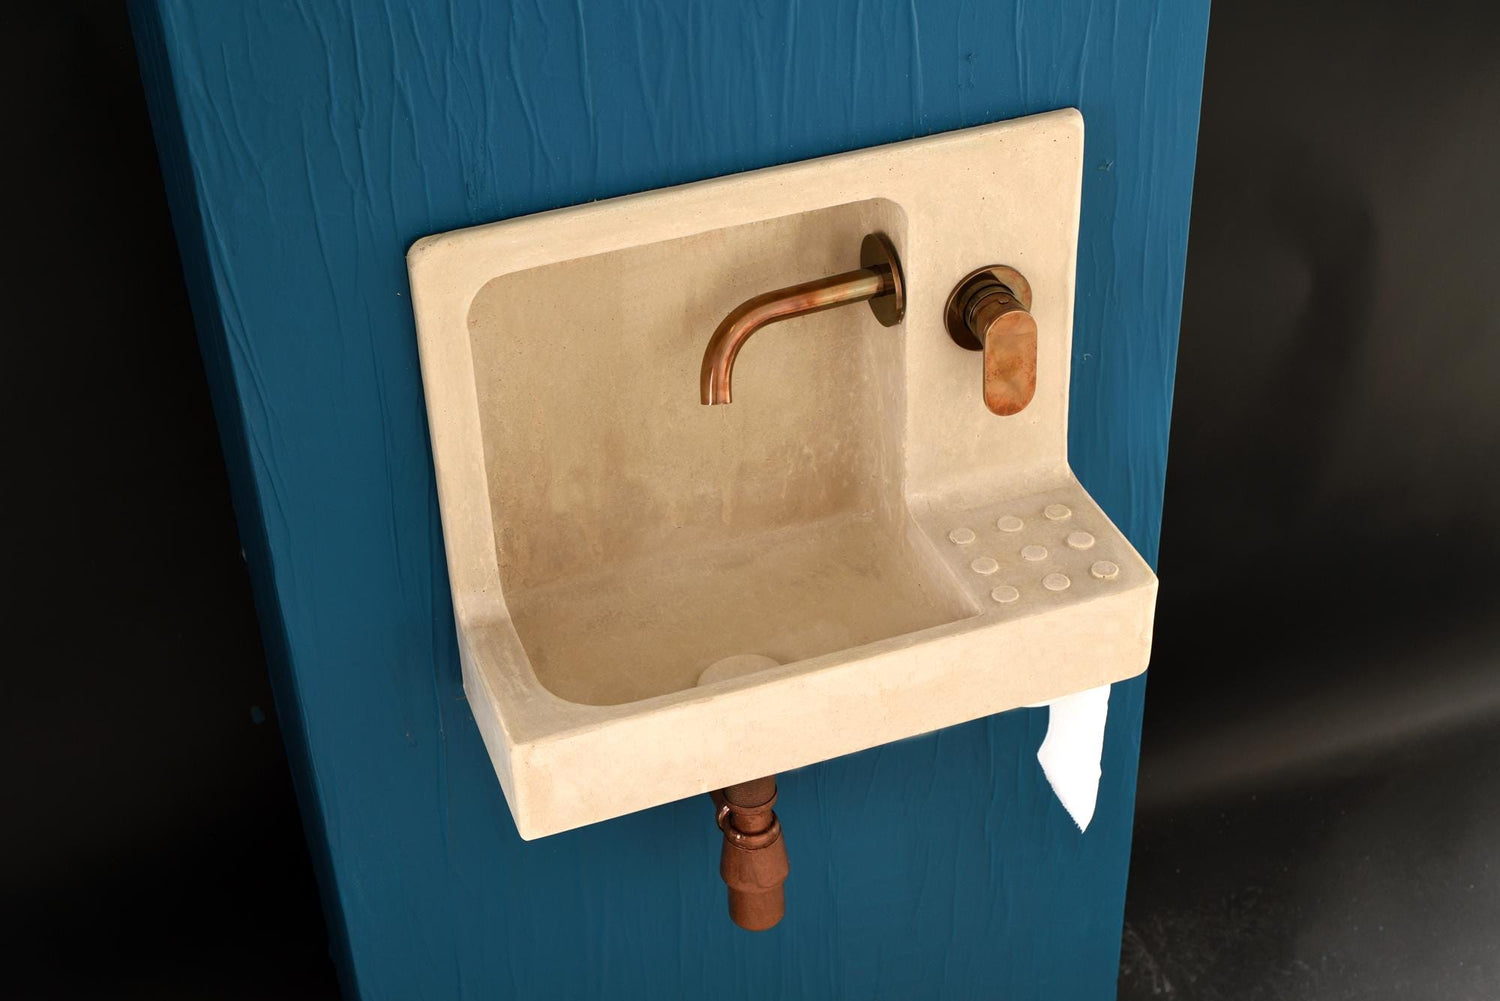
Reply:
x=307, y=144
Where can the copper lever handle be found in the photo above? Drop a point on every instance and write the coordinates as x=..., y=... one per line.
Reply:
x=990, y=311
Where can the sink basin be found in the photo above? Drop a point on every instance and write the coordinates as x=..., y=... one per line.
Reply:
x=609, y=538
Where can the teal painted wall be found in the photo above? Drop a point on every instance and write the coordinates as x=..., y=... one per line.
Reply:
x=307, y=144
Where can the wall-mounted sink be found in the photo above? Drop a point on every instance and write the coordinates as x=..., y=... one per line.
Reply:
x=895, y=557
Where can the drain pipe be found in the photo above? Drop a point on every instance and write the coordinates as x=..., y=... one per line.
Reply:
x=753, y=858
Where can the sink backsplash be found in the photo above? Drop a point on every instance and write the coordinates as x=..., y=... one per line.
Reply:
x=597, y=449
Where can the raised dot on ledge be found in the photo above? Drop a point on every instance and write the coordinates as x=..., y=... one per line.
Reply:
x=1057, y=512
x=961, y=536
x=1010, y=523
x=984, y=565
x=1080, y=540
x=1105, y=570
x=1056, y=582
x=1033, y=554
x=1005, y=594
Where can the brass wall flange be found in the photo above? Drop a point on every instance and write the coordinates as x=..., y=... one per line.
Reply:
x=878, y=254
x=990, y=311
x=752, y=860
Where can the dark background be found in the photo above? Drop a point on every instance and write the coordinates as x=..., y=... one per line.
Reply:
x=150, y=844
x=1317, y=813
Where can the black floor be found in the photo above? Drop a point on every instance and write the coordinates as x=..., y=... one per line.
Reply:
x=1375, y=876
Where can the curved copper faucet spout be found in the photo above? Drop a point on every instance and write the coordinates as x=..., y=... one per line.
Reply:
x=879, y=279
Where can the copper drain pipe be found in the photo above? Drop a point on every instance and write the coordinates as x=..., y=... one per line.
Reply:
x=753, y=858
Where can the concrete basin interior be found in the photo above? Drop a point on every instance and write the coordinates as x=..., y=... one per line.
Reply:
x=642, y=536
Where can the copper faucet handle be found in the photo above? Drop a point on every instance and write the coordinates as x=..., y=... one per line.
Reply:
x=990, y=311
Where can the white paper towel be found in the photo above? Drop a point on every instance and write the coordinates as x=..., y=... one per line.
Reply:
x=1071, y=752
